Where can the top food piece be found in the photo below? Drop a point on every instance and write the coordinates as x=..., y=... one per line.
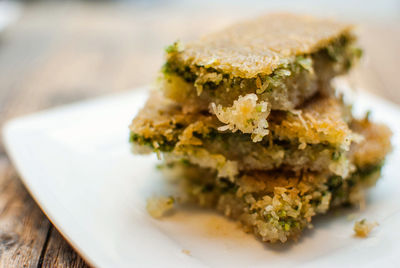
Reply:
x=261, y=45
x=283, y=58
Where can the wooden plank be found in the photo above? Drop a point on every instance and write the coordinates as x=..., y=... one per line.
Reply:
x=27, y=238
x=23, y=227
x=59, y=253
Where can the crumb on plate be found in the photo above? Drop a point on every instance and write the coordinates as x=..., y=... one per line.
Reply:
x=186, y=251
x=157, y=207
x=362, y=228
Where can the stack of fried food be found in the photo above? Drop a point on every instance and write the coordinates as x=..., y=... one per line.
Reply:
x=247, y=121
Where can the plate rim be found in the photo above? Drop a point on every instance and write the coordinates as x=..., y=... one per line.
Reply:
x=11, y=126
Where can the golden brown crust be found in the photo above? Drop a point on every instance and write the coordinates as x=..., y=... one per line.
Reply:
x=375, y=146
x=161, y=117
x=322, y=120
x=260, y=45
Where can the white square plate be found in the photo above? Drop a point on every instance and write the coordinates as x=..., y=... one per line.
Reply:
x=77, y=164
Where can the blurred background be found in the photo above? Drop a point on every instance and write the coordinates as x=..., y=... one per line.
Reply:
x=56, y=52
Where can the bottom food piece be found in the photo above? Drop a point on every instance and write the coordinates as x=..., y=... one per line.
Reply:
x=276, y=206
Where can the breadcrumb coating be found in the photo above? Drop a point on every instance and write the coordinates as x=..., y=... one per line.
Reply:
x=159, y=206
x=317, y=138
x=246, y=115
x=321, y=120
x=275, y=206
x=260, y=45
x=362, y=228
x=376, y=144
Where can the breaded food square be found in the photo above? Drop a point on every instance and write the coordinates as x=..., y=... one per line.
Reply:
x=319, y=139
x=283, y=59
x=247, y=122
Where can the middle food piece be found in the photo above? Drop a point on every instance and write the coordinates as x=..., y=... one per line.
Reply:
x=317, y=138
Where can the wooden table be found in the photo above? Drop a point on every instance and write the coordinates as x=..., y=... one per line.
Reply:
x=60, y=53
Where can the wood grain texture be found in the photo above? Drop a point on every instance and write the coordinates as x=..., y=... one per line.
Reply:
x=67, y=51
x=58, y=253
x=23, y=227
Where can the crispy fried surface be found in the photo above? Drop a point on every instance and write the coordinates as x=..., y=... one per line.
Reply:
x=276, y=206
x=161, y=118
x=375, y=146
x=260, y=45
x=322, y=120
x=315, y=138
